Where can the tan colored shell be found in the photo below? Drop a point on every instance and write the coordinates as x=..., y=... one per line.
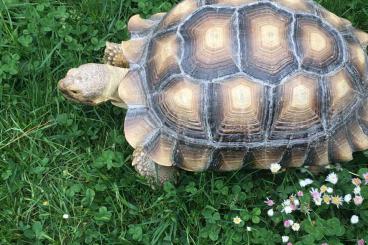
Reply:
x=226, y=84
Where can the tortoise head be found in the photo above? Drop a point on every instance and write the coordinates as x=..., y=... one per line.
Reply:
x=92, y=84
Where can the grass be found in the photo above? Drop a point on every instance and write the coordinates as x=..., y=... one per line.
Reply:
x=50, y=149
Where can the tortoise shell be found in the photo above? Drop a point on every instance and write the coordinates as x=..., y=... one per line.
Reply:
x=226, y=84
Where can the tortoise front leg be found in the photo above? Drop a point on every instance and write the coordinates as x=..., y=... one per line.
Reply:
x=153, y=171
x=114, y=55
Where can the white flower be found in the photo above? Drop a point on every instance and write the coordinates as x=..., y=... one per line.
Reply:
x=65, y=216
x=285, y=239
x=237, y=220
x=347, y=198
x=354, y=219
x=270, y=213
x=275, y=167
x=357, y=190
x=288, y=210
x=332, y=178
x=295, y=226
x=286, y=202
x=296, y=202
x=249, y=228
x=305, y=182
x=329, y=190
x=317, y=201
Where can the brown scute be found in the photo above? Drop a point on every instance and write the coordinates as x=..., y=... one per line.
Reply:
x=163, y=58
x=298, y=110
x=319, y=48
x=162, y=151
x=131, y=90
x=265, y=39
x=138, y=126
x=359, y=60
x=297, y=156
x=180, y=105
x=341, y=150
x=342, y=93
x=192, y=157
x=133, y=49
x=231, y=159
x=296, y=5
x=263, y=157
x=358, y=138
x=158, y=16
x=209, y=41
x=179, y=13
x=137, y=24
x=319, y=153
x=238, y=110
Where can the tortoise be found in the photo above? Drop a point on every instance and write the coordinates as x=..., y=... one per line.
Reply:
x=227, y=84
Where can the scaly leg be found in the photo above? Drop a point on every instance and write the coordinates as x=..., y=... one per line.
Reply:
x=114, y=55
x=153, y=171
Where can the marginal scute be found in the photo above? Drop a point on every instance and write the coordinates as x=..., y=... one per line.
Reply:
x=235, y=3
x=138, y=127
x=131, y=90
x=319, y=153
x=358, y=138
x=158, y=16
x=192, y=157
x=210, y=44
x=133, y=49
x=362, y=37
x=297, y=156
x=180, y=107
x=265, y=42
x=298, y=110
x=342, y=93
x=296, y=5
x=179, y=13
x=341, y=150
x=162, y=150
x=337, y=22
x=237, y=110
x=318, y=45
x=263, y=157
x=358, y=58
x=231, y=159
x=139, y=25
x=163, y=58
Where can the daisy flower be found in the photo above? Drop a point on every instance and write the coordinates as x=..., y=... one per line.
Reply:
x=269, y=202
x=275, y=168
x=337, y=200
x=357, y=190
x=65, y=216
x=332, y=178
x=315, y=193
x=365, y=176
x=270, y=212
x=326, y=199
x=323, y=188
x=329, y=190
x=361, y=242
x=358, y=200
x=295, y=227
x=305, y=182
x=300, y=193
x=288, y=223
x=354, y=219
x=356, y=181
x=237, y=220
x=249, y=228
x=285, y=239
x=347, y=198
